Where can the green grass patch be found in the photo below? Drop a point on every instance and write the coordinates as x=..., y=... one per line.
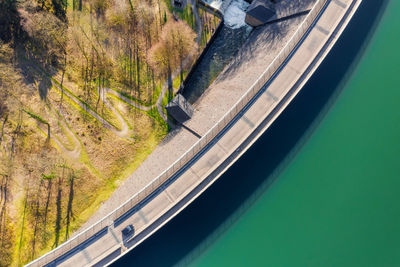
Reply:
x=36, y=117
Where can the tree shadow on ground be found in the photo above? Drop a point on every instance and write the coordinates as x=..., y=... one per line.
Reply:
x=34, y=72
x=261, y=38
x=289, y=7
x=44, y=87
x=220, y=53
x=198, y=226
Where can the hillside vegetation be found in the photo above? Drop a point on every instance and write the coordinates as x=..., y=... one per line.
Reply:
x=80, y=85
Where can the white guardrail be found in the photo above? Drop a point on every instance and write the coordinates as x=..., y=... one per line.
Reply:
x=196, y=148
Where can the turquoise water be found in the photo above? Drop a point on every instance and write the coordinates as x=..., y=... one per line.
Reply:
x=337, y=202
x=322, y=186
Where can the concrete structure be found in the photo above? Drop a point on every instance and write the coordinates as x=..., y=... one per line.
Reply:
x=260, y=12
x=180, y=109
x=218, y=149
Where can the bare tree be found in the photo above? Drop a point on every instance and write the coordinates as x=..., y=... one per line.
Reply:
x=177, y=42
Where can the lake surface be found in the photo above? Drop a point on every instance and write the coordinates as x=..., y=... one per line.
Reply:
x=322, y=186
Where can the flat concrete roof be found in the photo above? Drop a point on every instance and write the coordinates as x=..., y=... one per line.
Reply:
x=259, y=12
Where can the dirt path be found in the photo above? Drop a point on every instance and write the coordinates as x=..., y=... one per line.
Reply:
x=76, y=152
x=125, y=131
x=127, y=100
x=77, y=146
x=158, y=104
x=73, y=154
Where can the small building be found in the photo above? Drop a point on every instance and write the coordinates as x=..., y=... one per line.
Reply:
x=259, y=12
x=180, y=109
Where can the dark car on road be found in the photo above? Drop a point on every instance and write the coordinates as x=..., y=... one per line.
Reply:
x=128, y=230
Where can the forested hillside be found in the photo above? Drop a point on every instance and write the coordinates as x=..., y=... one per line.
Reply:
x=82, y=84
